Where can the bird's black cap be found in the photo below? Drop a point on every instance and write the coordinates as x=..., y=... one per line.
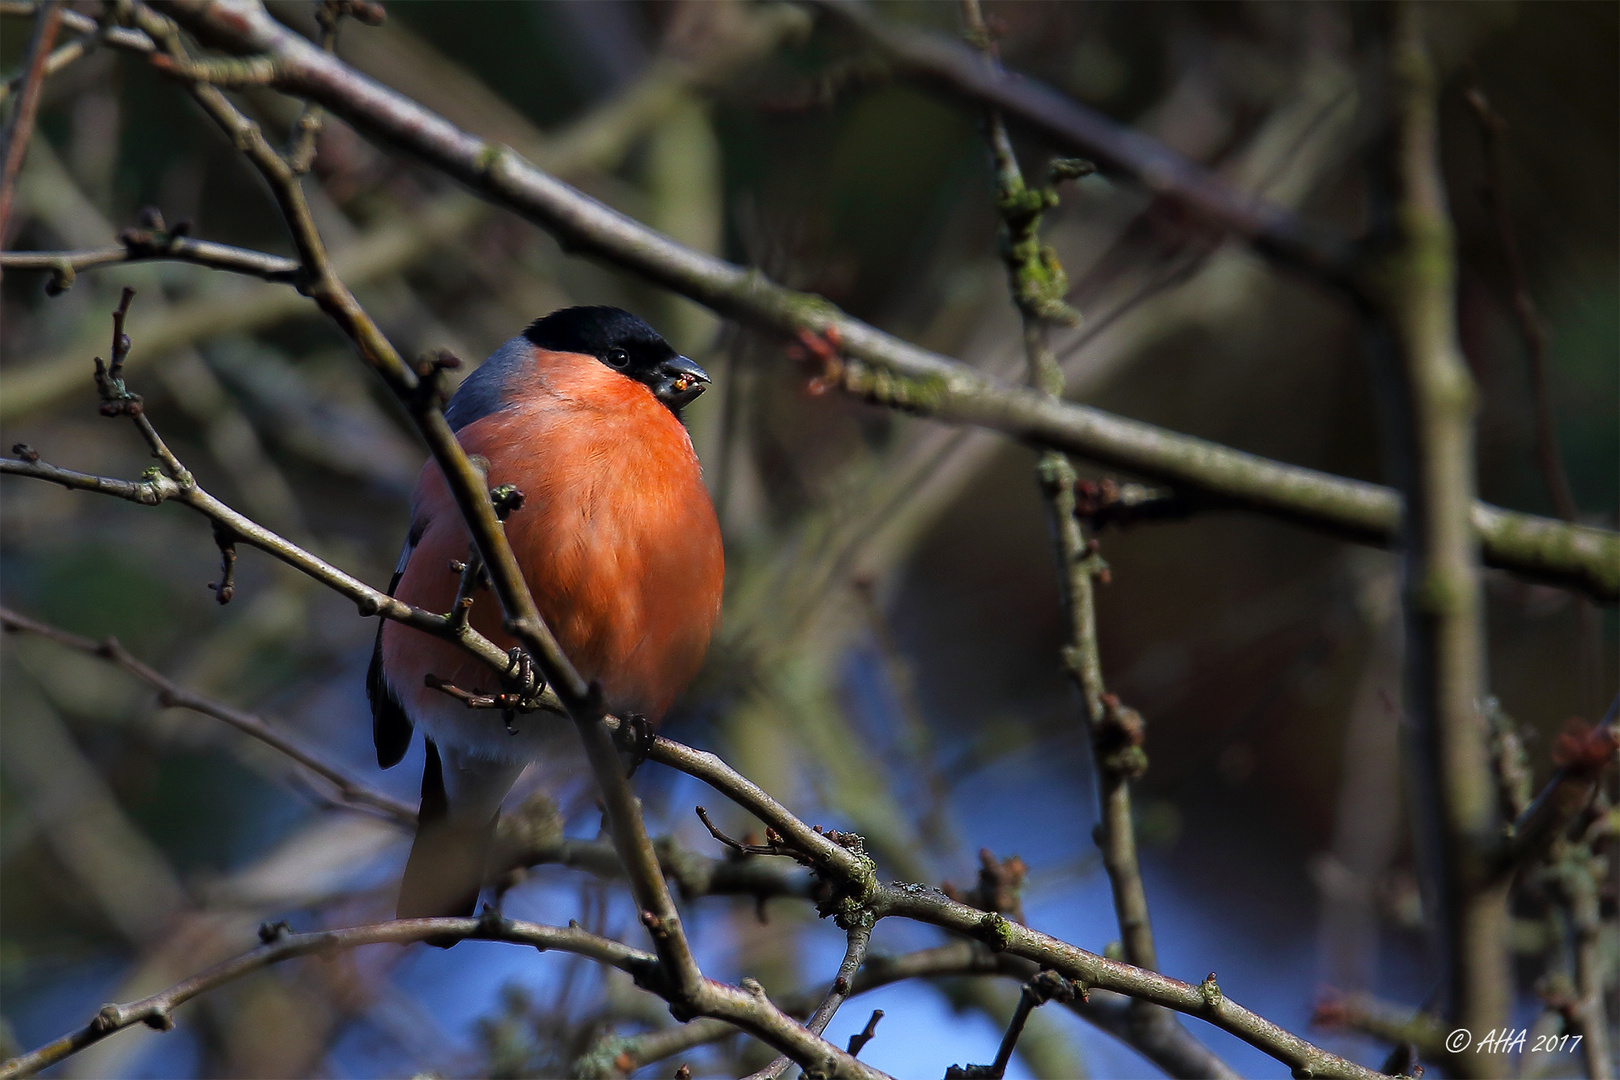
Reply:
x=624, y=343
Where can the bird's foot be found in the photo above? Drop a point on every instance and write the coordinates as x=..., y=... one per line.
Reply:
x=521, y=669
x=635, y=738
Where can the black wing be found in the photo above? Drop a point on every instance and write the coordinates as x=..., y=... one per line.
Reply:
x=390, y=727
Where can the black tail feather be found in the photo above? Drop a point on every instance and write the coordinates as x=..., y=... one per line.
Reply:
x=390, y=727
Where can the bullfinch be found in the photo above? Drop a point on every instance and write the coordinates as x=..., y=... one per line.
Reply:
x=616, y=537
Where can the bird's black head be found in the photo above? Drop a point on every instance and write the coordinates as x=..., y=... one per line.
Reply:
x=625, y=344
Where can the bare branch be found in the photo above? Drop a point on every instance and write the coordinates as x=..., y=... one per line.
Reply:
x=1385, y=1021
x=1071, y=127
x=744, y=1006
x=1433, y=456
x=1043, y=987
x=880, y=367
x=20, y=129
x=60, y=58
x=1175, y=1050
x=155, y=488
x=842, y=986
x=1532, y=327
x=147, y=246
x=171, y=695
x=1205, y=1001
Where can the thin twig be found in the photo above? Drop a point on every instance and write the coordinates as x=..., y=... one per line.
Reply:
x=1532, y=327
x=59, y=58
x=155, y=488
x=737, y=845
x=172, y=695
x=20, y=129
x=1078, y=564
x=1045, y=986
x=858, y=1041
x=843, y=985
x=136, y=246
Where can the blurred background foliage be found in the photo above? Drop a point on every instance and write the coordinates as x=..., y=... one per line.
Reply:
x=888, y=660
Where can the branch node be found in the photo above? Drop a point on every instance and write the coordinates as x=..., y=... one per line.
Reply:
x=491, y=923
x=1061, y=169
x=116, y=398
x=858, y=1041
x=1119, y=738
x=1210, y=991
x=62, y=278
x=225, y=587
x=110, y=1018
x=739, y=849
x=274, y=931
x=995, y=931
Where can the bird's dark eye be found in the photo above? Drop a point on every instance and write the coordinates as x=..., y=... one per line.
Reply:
x=617, y=358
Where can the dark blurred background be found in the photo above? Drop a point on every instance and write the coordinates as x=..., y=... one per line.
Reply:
x=889, y=655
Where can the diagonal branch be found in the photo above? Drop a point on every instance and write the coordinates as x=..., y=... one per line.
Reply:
x=879, y=366
x=155, y=488
x=1044, y=986
x=1178, y=1054
x=172, y=695
x=1073, y=128
x=821, y=852
x=843, y=985
x=743, y=1006
x=61, y=56
x=20, y=128
x=1532, y=326
x=1204, y=1001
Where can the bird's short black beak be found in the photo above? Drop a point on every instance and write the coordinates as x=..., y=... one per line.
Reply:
x=677, y=382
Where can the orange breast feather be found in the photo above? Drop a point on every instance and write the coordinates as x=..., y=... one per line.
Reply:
x=616, y=537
